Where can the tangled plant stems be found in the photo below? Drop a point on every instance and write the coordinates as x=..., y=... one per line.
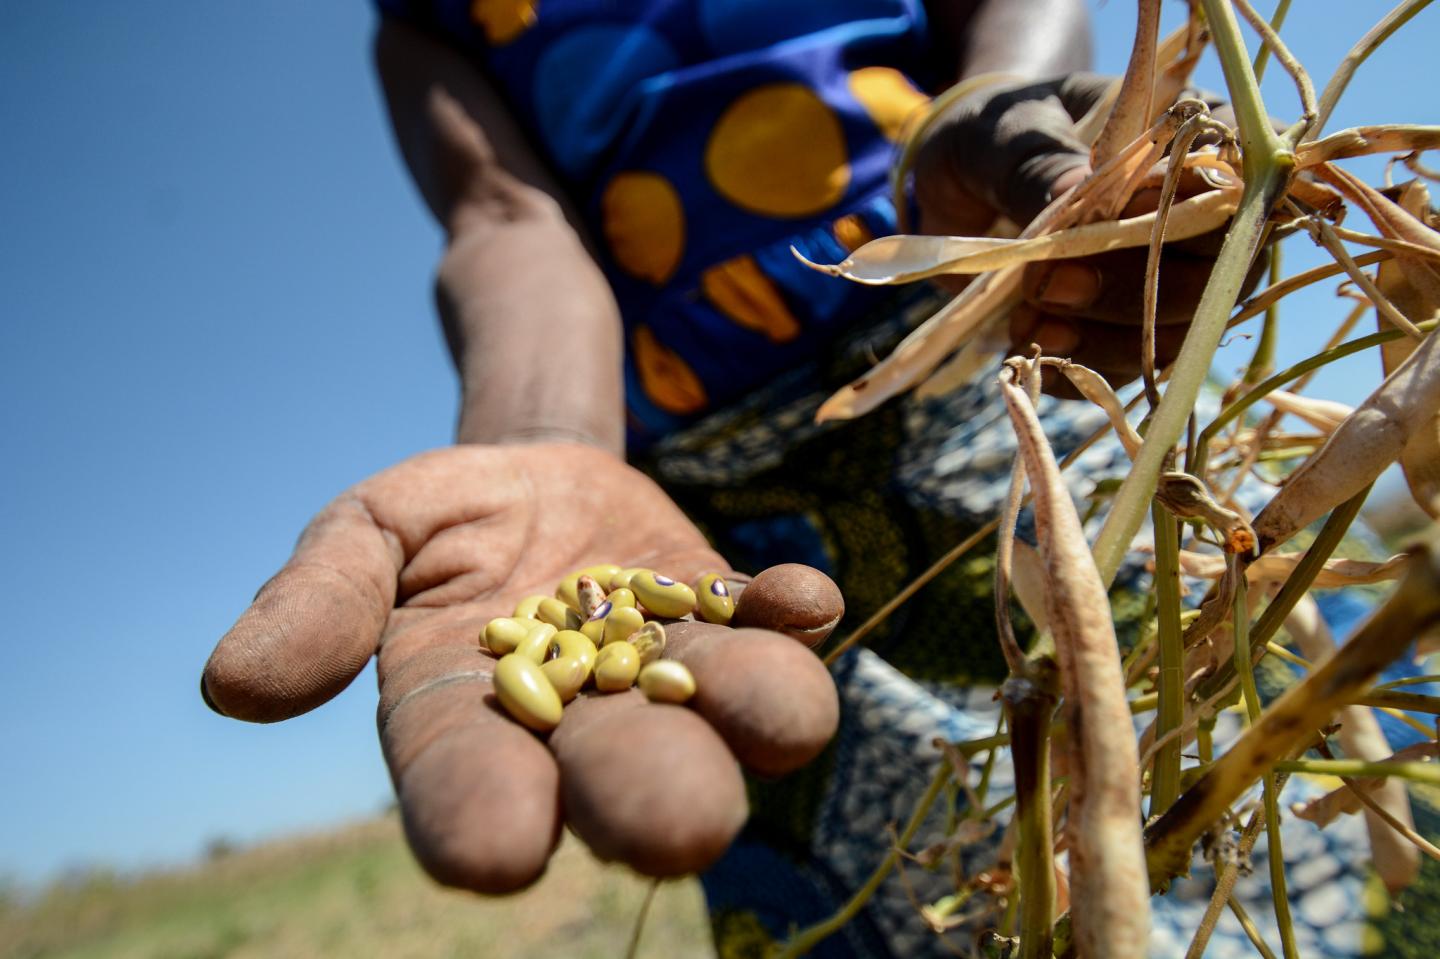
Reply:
x=1184, y=476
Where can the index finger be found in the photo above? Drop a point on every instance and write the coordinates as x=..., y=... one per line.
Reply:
x=314, y=625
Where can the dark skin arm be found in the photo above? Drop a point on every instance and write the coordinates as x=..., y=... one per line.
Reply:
x=409, y=565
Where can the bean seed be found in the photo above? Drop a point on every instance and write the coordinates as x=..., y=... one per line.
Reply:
x=525, y=609
x=616, y=667
x=557, y=614
x=567, y=590
x=621, y=597
x=536, y=644
x=594, y=627
x=621, y=624
x=503, y=634
x=567, y=674
x=649, y=642
x=621, y=580
x=526, y=693
x=662, y=595
x=667, y=681
x=568, y=644
x=589, y=594
x=713, y=600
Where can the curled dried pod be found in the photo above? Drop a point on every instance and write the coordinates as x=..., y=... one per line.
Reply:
x=799, y=601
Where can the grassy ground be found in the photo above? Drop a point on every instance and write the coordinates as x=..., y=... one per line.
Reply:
x=354, y=892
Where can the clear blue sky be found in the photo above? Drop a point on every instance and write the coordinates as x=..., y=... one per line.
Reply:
x=215, y=315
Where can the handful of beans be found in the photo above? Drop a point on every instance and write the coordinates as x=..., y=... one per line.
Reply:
x=606, y=624
x=648, y=776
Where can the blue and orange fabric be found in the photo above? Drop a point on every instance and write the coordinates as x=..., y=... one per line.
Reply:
x=703, y=139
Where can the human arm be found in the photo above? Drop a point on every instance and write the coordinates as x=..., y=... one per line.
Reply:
x=409, y=565
x=513, y=250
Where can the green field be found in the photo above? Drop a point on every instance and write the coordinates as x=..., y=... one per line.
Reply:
x=354, y=892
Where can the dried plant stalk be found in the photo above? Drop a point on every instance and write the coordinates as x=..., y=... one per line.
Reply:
x=1292, y=718
x=1110, y=903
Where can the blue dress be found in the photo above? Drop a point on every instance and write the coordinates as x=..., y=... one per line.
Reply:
x=703, y=139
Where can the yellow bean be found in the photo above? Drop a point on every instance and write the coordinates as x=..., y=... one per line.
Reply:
x=621, y=624
x=713, y=601
x=616, y=667
x=621, y=580
x=662, y=595
x=649, y=642
x=536, y=644
x=503, y=634
x=525, y=609
x=621, y=597
x=566, y=591
x=526, y=694
x=567, y=674
x=594, y=627
x=667, y=681
x=569, y=644
x=557, y=614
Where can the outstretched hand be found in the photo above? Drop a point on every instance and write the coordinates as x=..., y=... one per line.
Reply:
x=412, y=563
x=1010, y=150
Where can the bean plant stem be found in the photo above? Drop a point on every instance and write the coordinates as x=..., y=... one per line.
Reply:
x=1170, y=683
x=1415, y=702
x=1419, y=772
x=1282, y=10
x=1251, y=930
x=1272, y=806
x=1030, y=707
x=1262, y=363
x=1297, y=584
x=1267, y=167
x=807, y=938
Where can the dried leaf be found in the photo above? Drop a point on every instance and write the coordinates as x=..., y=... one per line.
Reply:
x=1134, y=106
x=1324, y=415
x=904, y=259
x=1277, y=567
x=1369, y=440
x=1360, y=141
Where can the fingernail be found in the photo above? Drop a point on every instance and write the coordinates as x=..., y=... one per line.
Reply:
x=1056, y=337
x=1070, y=286
x=205, y=695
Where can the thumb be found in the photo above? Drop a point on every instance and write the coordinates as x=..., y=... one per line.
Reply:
x=1007, y=146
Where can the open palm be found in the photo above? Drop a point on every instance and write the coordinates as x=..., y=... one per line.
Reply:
x=411, y=563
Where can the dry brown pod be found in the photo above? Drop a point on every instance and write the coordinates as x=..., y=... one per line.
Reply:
x=649, y=785
x=799, y=601
x=772, y=701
